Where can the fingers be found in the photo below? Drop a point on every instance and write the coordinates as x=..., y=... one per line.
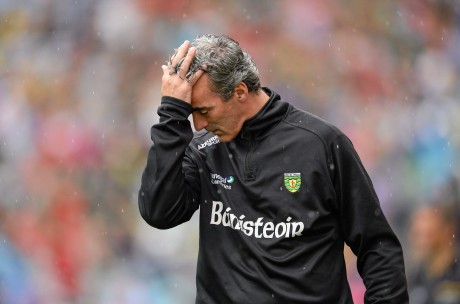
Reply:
x=185, y=62
x=180, y=53
x=180, y=63
x=178, y=79
x=194, y=77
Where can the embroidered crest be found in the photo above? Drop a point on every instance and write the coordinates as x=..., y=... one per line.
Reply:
x=292, y=181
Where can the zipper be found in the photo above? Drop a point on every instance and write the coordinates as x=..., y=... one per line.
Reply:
x=249, y=169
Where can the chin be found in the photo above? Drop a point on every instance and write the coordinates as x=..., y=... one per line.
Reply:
x=225, y=138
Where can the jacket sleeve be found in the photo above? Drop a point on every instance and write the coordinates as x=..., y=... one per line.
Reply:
x=365, y=228
x=169, y=192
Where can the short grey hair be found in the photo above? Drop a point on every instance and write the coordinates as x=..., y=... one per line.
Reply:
x=227, y=64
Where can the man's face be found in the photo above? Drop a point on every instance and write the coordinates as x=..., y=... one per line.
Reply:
x=429, y=233
x=222, y=118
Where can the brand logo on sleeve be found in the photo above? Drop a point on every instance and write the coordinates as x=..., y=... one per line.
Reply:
x=212, y=141
x=292, y=181
x=224, y=182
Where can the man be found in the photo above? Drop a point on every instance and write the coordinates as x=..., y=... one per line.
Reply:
x=436, y=278
x=279, y=190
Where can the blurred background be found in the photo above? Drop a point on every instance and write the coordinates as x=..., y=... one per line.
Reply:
x=79, y=87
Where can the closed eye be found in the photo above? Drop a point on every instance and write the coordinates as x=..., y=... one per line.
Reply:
x=201, y=110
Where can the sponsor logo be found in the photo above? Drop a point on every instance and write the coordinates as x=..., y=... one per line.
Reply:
x=292, y=181
x=224, y=182
x=258, y=228
x=212, y=141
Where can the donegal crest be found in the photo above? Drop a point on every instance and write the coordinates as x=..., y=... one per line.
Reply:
x=292, y=181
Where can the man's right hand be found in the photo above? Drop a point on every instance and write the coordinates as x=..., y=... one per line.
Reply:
x=174, y=81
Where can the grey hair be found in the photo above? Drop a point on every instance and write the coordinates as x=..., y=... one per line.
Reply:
x=227, y=64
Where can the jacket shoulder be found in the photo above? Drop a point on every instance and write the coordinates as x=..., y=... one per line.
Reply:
x=324, y=130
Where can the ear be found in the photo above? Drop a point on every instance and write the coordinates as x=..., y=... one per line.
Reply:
x=241, y=92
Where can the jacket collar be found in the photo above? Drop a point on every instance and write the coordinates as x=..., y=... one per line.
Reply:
x=269, y=116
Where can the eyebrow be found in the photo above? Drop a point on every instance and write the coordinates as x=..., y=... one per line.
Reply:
x=194, y=109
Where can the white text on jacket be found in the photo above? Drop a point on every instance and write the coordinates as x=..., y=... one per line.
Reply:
x=259, y=228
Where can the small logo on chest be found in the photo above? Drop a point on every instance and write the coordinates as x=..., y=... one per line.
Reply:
x=292, y=181
x=224, y=182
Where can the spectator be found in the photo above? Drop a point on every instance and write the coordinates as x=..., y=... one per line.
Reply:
x=436, y=279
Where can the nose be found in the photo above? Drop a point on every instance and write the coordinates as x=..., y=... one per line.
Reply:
x=199, y=121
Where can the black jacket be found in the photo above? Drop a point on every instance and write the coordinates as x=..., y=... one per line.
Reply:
x=277, y=204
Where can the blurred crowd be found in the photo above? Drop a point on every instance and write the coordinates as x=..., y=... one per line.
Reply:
x=79, y=87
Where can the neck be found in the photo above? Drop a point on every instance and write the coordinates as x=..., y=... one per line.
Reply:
x=255, y=102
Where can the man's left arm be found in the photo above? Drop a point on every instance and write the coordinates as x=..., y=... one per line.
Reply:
x=365, y=229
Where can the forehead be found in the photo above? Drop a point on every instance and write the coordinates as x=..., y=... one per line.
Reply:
x=202, y=96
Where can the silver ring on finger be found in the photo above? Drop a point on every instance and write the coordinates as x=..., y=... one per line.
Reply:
x=172, y=69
